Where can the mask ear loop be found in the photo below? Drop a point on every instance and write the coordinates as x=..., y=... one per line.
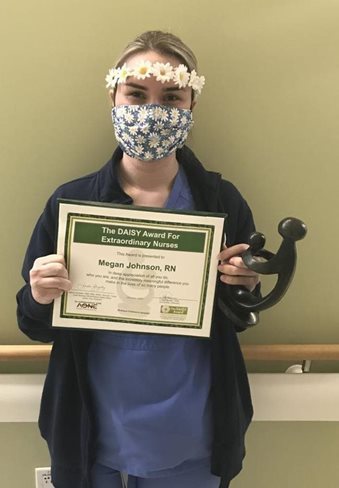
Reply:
x=194, y=101
x=112, y=96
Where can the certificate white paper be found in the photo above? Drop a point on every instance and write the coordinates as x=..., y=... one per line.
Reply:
x=137, y=269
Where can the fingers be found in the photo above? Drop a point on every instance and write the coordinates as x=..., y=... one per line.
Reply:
x=233, y=269
x=249, y=282
x=232, y=251
x=49, y=278
x=50, y=258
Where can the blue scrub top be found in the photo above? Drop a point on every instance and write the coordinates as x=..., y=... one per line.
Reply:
x=152, y=393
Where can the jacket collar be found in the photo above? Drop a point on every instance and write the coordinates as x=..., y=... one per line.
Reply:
x=204, y=184
x=108, y=186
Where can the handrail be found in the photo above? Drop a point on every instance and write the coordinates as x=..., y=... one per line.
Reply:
x=290, y=352
x=19, y=352
x=251, y=352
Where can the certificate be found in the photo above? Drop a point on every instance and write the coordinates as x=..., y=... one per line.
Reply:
x=138, y=269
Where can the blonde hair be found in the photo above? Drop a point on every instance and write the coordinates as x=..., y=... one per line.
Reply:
x=163, y=43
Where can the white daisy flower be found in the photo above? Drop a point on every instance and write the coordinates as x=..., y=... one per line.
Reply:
x=143, y=113
x=158, y=126
x=142, y=70
x=120, y=111
x=140, y=139
x=139, y=149
x=125, y=72
x=129, y=117
x=178, y=133
x=126, y=137
x=156, y=113
x=159, y=151
x=154, y=140
x=133, y=130
x=181, y=76
x=148, y=155
x=164, y=115
x=165, y=132
x=111, y=78
x=145, y=128
x=162, y=72
x=196, y=82
x=175, y=115
x=119, y=127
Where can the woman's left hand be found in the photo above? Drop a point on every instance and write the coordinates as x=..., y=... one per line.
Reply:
x=233, y=269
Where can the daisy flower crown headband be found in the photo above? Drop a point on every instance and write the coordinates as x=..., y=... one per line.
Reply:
x=161, y=71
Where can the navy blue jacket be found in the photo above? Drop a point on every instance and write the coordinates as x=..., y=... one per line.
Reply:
x=66, y=414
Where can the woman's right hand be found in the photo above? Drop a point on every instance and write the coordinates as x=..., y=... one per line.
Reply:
x=49, y=278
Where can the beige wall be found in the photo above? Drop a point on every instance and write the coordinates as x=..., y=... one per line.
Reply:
x=267, y=119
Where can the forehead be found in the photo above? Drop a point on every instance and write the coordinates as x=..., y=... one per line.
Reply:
x=153, y=57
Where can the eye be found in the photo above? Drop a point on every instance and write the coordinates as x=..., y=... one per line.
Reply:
x=136, y=94
x=172, y=97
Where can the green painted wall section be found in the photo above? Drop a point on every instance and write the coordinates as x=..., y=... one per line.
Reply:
x=267, y=119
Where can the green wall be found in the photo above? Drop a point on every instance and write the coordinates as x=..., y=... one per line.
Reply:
x=267, y=119
x=280, y=455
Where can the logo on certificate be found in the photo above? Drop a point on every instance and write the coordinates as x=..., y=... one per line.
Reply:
x=88, y=305
x=173, y=312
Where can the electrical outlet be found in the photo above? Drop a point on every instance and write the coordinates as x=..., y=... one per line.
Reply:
x=43, y=478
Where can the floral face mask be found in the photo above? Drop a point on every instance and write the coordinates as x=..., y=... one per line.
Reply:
x=150, y=131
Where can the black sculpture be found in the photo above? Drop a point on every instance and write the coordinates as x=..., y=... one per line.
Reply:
x=242, y=306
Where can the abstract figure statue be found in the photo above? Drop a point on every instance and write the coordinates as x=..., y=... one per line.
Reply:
x=242, y=305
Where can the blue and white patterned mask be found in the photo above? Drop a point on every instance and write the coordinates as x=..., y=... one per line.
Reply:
x=150, y=131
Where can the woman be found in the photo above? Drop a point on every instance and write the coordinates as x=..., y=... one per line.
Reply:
x=168, y=411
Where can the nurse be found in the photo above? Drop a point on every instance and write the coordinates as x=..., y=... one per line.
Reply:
x=167, y=411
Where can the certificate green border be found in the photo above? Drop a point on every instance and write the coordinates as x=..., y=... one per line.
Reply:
x=73, y=217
